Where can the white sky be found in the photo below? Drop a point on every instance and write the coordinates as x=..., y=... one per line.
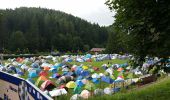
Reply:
x=94, y=11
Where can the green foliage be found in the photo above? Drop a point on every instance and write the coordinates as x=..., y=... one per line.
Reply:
x=17, y=39
x=45, y=30
x=145, y=24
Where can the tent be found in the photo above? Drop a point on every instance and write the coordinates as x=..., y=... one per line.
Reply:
x=85, y=73
x=18, y=70
x=85, y=67
x=98, y=92
x=116, y=89
x=56, y=75
x=47, y=85
x=65, y=69
x=107, y=79
x=73, y=68
x=88, y=56
x=101, y=74
x=90, y=86
x=120, y=69
x=91, y=70
x=20, y=73
x=76, y=97
x=24, y=67
x=65, y=79
x=108, y=91
x=95, y=80
x=119, y=79
x=96, y=68
x=53, y=70
x=79, y=77
x=32, y=74
x=78, y=70
x=79, y=83
x=77, y=90
x=85, y=94
x=46, y=68
x=71, y=84
x=57, y=92
x=35, y=65
x=43, y=73
x=41, y=78
x=84, y=81
x=79, y=60
x=110, y=71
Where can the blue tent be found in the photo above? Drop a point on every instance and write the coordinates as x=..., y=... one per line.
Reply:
x=107, y=79
x=18, y=70
x=117, y=89
x=53, y=70
x=38, y=70
x=56, y=75
x=88, y=56
x=70, y=74
x=95, y=80
x=32, y=75
x=78, y=70
x=79, y=77
x=20, y=73
x=79, y=83
x=85, y=73
x=12, y=68
x=35, y=65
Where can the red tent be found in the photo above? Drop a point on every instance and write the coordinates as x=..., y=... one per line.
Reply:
x=43, y=73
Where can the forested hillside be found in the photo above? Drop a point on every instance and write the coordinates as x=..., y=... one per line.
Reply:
x=37, y=29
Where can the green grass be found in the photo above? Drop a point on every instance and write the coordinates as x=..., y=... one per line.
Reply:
x=100, y=63
x=157, y=91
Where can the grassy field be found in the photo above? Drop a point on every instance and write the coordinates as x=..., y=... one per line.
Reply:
x=156, y=91
x=100, y=63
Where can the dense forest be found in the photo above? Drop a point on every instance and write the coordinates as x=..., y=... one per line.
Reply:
x=37, y=30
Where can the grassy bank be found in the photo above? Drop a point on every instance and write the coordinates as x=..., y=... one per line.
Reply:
x=156, y=91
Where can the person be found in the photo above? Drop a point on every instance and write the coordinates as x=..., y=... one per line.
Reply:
x=1, y=58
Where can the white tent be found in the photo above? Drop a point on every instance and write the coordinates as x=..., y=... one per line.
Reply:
x=57, y=92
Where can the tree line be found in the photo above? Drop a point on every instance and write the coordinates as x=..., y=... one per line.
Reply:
x=142, y=28
x=39, y=30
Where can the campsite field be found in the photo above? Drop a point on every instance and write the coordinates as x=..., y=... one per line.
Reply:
x=98, y=64
x=93, y=63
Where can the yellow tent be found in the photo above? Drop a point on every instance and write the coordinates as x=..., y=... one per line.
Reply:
x=85, y=67
x=71, y=84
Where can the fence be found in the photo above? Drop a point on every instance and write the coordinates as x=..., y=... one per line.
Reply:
x=13, y=87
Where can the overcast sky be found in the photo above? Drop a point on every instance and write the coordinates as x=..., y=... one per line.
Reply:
x=94, y=11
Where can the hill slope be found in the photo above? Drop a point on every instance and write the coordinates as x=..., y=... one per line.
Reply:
x=38, y=29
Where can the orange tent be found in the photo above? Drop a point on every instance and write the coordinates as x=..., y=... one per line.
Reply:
x=41, y=78
x=120, y=69
x=46, y=68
